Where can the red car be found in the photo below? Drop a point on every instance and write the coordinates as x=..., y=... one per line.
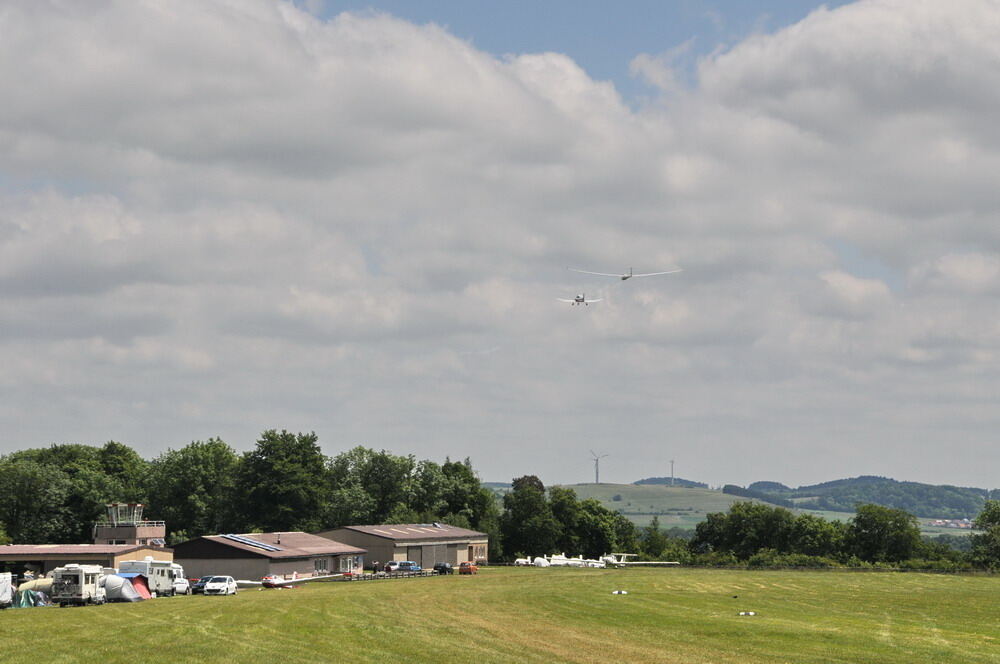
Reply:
x=467, y=568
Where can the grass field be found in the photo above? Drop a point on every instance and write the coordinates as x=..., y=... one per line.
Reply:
x=541, y=615
x=674, y=506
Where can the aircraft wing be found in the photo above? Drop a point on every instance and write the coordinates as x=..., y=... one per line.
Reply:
x=307, y=579
x=243, y=583
x=592, y=301
x=653, y=274
x=600, y=274
x=562, y=299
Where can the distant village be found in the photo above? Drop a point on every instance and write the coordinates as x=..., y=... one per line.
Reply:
x=964, y=524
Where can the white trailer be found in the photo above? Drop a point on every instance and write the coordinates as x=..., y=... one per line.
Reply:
x=6, y=589
x=78, y=584
x=160, y=574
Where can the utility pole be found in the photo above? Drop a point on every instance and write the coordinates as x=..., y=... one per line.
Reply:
x=597, y=466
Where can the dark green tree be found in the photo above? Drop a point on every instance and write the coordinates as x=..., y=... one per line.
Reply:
x=427, y=494
x=566, y=510
x=191, y=489
x=32, y=501
x=90, y=487
x=986, y=544
x=626, y=535
x=527, y=524
x=814, y=536
x=653, y=542
x=882, y=534
x=747, y=528
x=384, y=477
x=596, y=529
x=123, y=464
x=281, y=484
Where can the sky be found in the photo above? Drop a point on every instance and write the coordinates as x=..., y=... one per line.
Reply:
x=220, y=217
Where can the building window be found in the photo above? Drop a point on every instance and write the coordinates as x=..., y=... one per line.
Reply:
x=320, y=564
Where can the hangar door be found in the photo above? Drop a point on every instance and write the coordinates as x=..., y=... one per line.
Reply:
x=435, y=553
x=413, y=553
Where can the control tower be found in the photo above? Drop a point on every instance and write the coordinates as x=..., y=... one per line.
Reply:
x=124, y=525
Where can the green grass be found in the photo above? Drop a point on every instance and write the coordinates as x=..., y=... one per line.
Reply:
x=541, y=615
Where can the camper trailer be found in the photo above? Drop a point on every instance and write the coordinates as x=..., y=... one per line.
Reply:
x=160, y=574
x=6, y=589
x=78, y=584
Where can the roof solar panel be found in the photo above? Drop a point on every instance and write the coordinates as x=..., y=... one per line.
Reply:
x=251, y=542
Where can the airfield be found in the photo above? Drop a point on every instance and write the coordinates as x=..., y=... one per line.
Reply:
x=542, y=615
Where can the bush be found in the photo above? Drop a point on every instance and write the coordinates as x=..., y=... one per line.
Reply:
x=717, y=559
x=769, y=558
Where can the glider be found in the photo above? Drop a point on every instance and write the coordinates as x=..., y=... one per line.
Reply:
x=623, y=277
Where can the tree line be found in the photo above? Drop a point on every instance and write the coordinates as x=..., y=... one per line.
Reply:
x=756, y=535
x=54, y=495
x=842, y=495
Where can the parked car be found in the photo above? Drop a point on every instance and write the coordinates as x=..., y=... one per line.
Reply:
x=392, y=566
x=467, y=568
x=182, y=586
x=198, y=585
x=221, y=585
x=444, y=568
x=408, y=566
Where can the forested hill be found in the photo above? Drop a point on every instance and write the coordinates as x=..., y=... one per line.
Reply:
x=674, y=481
x=844, y=495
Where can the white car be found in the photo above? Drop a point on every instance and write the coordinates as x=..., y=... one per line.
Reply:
x=221, y=585
x=182, y=586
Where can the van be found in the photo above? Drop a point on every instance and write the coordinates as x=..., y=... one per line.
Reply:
x=6, y=589
x=78, y=584
x=160, y=574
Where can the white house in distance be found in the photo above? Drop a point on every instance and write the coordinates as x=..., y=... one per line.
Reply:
x=423, y=543
x=256, y=555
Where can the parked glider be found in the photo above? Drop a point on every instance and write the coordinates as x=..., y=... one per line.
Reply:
x=627, y=275
x=271, y=581
x=579, y=299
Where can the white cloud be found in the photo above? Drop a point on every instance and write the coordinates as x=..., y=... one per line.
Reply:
x=218, y=217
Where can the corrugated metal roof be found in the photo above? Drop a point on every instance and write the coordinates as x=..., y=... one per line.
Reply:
x=72, y=549
x=294, y=544
x=418, y=531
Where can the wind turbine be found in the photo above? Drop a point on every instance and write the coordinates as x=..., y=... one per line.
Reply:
x=597, y=466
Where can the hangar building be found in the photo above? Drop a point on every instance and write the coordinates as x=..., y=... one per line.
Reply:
x=256, y=555
x=423, y=543
x=46, y=557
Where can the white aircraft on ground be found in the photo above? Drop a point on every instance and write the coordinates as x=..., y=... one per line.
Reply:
x=579, y=299
x=627, y=275
x=274, y=581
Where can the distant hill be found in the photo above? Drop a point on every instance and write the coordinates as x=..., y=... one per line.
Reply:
x=499, y=489
x=734, y=490
x=674, y=506
x=675, y=481
x=926, y=500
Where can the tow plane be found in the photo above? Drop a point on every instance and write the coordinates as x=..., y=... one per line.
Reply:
x=625, y=276
x=580, y=299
